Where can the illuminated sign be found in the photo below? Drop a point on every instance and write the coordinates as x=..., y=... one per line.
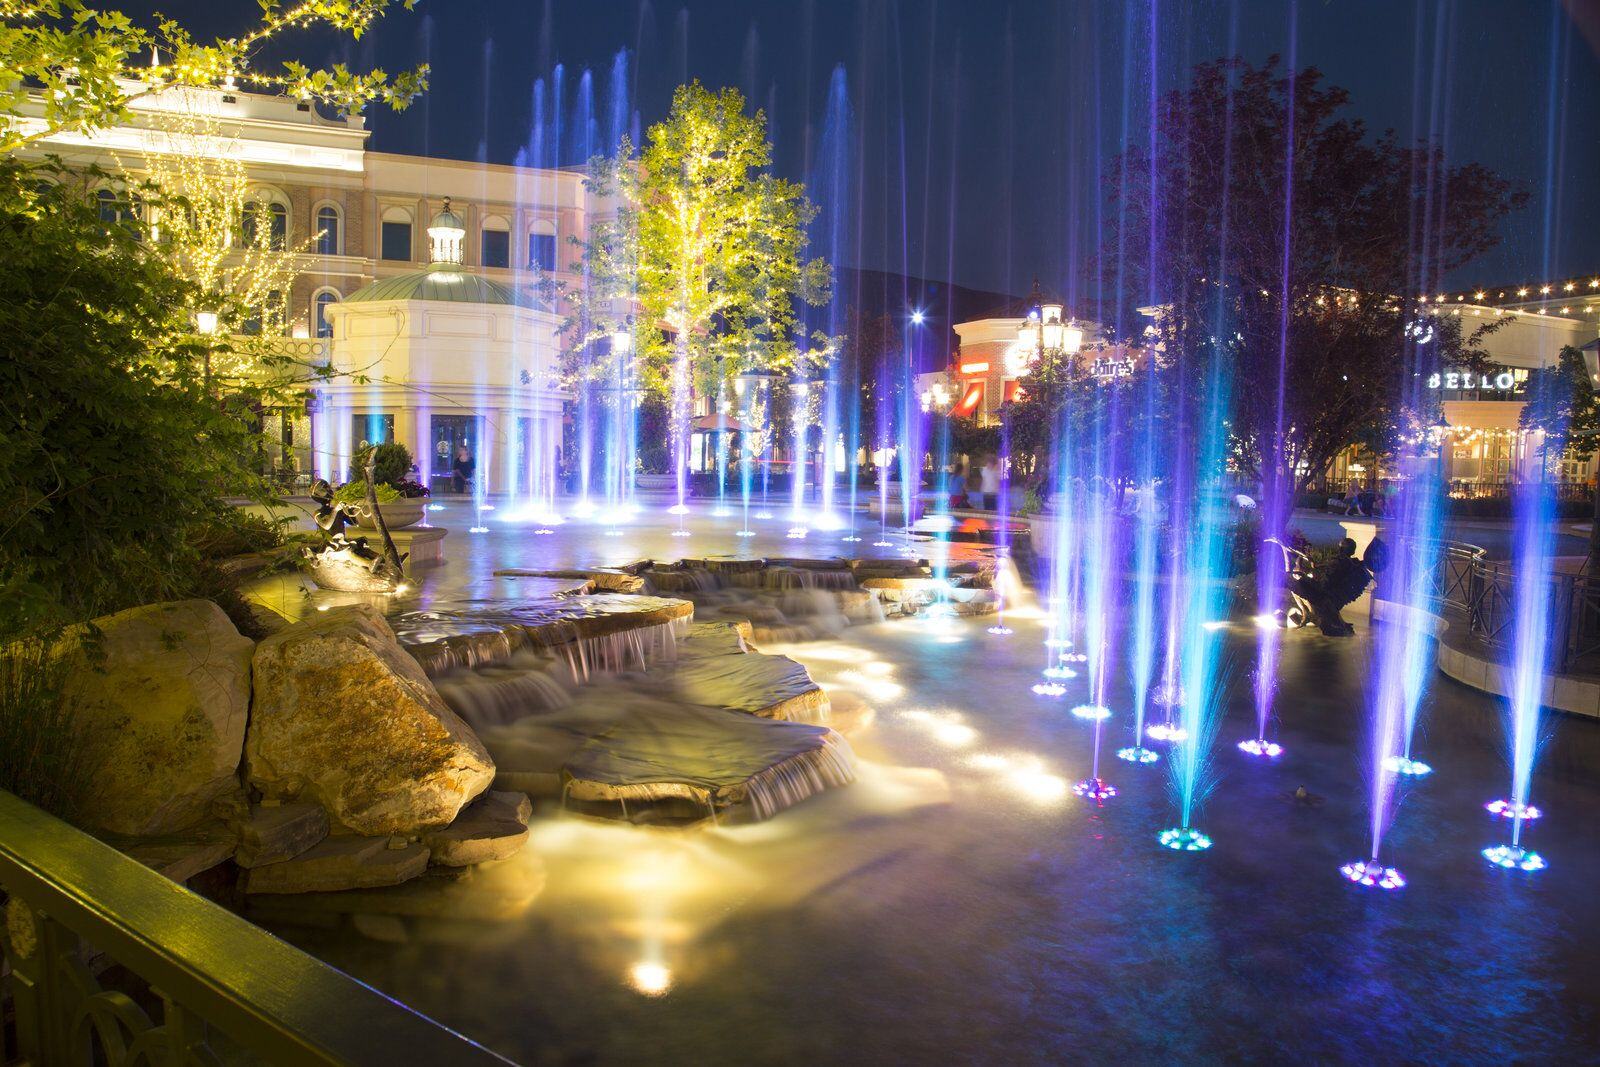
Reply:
x=1504, y=381
x=1108, y=367
x=974, y=368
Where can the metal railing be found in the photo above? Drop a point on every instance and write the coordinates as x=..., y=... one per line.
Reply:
x=1484, y=591
x=198, y=966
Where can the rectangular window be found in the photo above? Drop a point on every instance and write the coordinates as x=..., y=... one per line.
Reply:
x=542, y=250
x=496, y=248
x=396, y=240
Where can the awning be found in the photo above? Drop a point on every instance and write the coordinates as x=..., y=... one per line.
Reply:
x=714, y=423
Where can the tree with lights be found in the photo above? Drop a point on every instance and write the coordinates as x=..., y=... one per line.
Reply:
x=1273, y=227
x=68, y=67
x=706, y=253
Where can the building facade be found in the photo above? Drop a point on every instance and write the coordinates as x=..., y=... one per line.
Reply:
x=357, y=218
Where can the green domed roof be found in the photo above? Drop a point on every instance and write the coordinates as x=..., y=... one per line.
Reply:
x=446, y=283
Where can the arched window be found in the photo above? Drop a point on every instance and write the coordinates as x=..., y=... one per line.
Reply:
x=266, y=221
x=319, y=311
x=542, y=245
x=272, y=318
x=396, y=234
x=496, y=247
x=118, y=209
x=328, y=235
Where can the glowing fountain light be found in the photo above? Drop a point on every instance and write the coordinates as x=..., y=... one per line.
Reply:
x=544, y=530
x=797, y=532
x=477, y=529
x=678, y=509
x=1514, y=858
x=1059, y=672
x=485, y=507
x=850, y=537
x=744, y=533
x=1256, y=746
x=1095, y=789
x=1049, y=689
x=1091, y=712
x=583, y=509
x=435, y=507
x=1166, y=732
x=650, y=979
x=680, y=533
x=763, y=514
x=1137, y=754
x=1184, y=839
x=1412, y=768
x=879, y=544
x=1510, y=809
x=1373, y=873
x=1000, y=631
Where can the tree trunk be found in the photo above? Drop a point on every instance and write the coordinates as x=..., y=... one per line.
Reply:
x=390, y=552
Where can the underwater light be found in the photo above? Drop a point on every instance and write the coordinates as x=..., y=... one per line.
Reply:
x=680, y=533
x=850, y=537
x=1000, y=631
x=763, y=514
x=435, y=507
x=1166, y=731
x=477, y=529
x=797, y=532
x=1137, y=754
x=1095, y=789
x=1414, y=768
x=1059, y=671
x=1092, y=712
x=1266, y=621
x=1514, y=858
x=1257, y=746
x=544, y=530
x=721, y=513
x=651, y=979
x=1049, y=689
x=1511, y=809
x=1373, y=873
x=485, y=507
x=883, y=544
x=744, y=533
x=678, y=509
x=1057, y=642
x=1184, y=839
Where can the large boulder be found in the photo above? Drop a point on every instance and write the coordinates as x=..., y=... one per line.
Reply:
x=162, y=695
x=343, y=716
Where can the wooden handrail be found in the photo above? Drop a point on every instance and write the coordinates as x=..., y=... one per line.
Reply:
x=264, y=994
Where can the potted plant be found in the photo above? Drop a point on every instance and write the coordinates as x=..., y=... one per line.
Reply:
x=655, y=453
x=402, y=500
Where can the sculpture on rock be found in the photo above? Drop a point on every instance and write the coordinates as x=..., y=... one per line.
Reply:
x=1340, y=584
x=350, y=565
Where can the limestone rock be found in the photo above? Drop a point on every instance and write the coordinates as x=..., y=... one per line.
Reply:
x=340, y=863
x=493, y=827
x=343, y=716
x=279, y=832
x=163, y=697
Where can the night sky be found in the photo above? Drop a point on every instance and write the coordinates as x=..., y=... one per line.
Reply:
x=978, y=130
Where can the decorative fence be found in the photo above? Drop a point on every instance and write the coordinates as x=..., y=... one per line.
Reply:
x=1485, y=591
x=71, y=901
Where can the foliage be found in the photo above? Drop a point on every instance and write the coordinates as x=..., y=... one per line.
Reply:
x=391, y=462
x=706, y=245
x=236, y=532
x=44, y=755
x=111, y=452
x=356, y=493
x=655, y=455
x=1561, y=402
x=1288, y=236
x=91, y=63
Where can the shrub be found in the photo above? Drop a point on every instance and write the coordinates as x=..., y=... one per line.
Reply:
x=356, y=493
x=44, y=755
x=391, y=462
x=234, y=532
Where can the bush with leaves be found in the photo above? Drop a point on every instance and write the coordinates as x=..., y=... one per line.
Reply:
x=112, y=454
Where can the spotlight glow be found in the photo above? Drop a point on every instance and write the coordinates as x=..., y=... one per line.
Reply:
x=1184, y=839
x=1167, y=732
x=1095, y=789
x=651, y=979
x=1406, y=765
x=763, y=514
x=435, y=507
x=1059, y=672
x=1510, y=809
x=883, y=544
x=1049, y=689
x=1000, y=631
x=1514, y=858
x=1373, y=873
x=797, y=532
x=850, y=537
x=678, y=509
x=1266, y=622
x=477, y=529
x=1137, y=754
x=1091, y=712
x=680, y=533
x=1256, y=746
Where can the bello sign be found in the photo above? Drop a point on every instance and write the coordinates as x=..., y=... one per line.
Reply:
x=1504, y=381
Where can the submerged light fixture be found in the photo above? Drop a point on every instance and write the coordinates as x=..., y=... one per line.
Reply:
x=1373, y=874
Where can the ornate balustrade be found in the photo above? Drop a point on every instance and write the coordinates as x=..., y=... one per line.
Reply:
x=211, y=973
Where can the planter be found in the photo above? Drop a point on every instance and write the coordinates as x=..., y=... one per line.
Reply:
x=397, y=514
x=658, y=482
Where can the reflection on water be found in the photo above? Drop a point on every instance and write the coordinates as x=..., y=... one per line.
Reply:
x=958, y=904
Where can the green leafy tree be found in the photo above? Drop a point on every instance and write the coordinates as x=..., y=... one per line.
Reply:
x=1563, y=404
x=113, y=457
x=69, y=67
x=704, y=260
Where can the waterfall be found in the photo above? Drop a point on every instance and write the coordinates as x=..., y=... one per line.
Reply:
x=526, y=683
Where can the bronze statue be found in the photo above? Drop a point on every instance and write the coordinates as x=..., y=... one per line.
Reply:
x=1344, y=580
x=345, y=564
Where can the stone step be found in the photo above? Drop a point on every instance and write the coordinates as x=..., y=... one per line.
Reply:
x=274, y=833
x=341, y=863
x=493, y=827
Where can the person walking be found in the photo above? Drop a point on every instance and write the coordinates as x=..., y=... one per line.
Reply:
x=989, y=483
x=463, y=469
